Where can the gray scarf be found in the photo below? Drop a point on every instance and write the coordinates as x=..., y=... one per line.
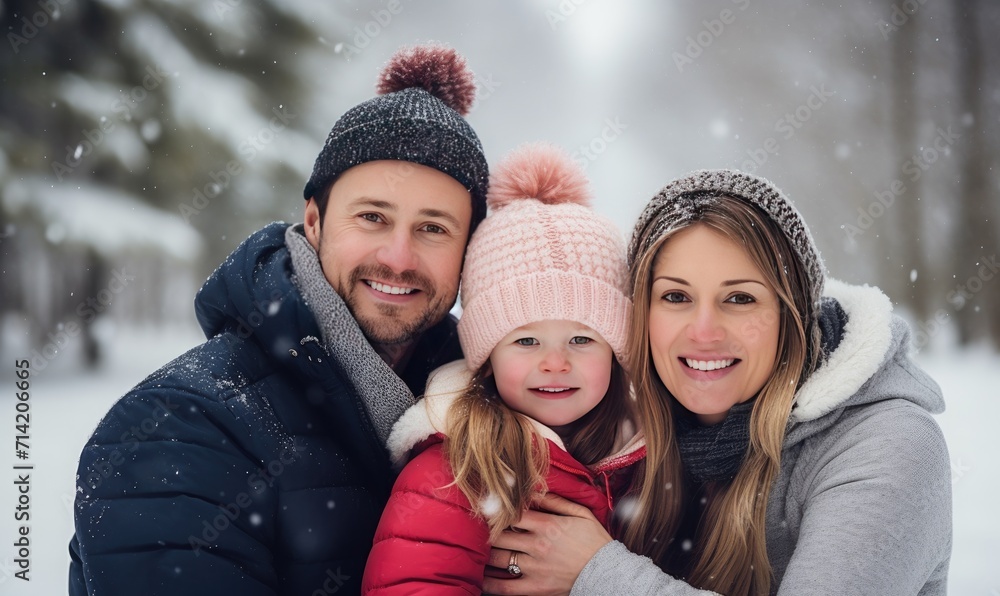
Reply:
x=383, y=393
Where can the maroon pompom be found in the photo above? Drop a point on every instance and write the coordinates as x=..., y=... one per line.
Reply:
x=438, y=69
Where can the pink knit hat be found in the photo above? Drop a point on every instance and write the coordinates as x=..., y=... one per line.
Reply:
x=541, y=254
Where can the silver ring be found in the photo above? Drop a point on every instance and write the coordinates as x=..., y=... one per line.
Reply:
x=512, y=567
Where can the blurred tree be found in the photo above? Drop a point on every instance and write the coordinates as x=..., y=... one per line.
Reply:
x=905, y=249
x=178, y=109
x=974, y=251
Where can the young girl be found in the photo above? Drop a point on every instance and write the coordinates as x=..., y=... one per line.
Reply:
x=540, y=403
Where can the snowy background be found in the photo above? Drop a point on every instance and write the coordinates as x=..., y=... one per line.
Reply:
x=139, y=146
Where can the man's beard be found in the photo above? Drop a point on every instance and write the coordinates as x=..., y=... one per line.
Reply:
x=389, y=328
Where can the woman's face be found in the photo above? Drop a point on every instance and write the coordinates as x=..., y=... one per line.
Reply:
x=713, y=323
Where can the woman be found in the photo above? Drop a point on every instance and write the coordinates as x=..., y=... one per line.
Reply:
x=790, y=447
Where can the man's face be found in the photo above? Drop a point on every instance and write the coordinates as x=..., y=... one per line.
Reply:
x=391, y=245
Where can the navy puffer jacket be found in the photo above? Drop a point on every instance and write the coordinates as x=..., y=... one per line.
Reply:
x=248, y=465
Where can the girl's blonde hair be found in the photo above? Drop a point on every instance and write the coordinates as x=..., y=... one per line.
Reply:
x=730, y=550
x=498, y=458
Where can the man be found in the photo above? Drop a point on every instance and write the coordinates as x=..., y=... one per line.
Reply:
x=255, y=464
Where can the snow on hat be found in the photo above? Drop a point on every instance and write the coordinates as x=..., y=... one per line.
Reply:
x=542, y=254
x=424, y=92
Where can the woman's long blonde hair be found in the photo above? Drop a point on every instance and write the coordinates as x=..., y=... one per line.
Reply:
x=498, y=458
x=730, y=551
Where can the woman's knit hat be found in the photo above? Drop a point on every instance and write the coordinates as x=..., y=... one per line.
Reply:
x=424, y=92
x=681, y=202
x=542, y=254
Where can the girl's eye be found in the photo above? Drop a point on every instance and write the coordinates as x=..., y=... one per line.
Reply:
x=741, y=299
x=674, y=297
x=526, y=341
x=580, y=340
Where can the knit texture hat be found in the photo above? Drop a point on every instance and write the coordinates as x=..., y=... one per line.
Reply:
x=418, y=117
x=542, y=254
x=682, y=201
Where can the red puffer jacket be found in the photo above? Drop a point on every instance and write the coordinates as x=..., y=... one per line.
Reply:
x=428, y=540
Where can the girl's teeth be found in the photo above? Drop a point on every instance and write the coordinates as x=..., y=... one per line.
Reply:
x=709, y=364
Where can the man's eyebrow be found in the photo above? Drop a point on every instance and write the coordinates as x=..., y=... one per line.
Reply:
x=377, y=203
x=442, y=215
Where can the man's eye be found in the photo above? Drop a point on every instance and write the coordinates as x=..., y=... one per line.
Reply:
x=526, y=341
x=435, y=229
x=372, y=217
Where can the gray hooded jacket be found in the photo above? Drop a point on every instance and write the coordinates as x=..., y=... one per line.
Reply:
x=862, y=505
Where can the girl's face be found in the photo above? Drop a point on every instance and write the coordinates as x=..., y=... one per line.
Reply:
x=713, y=323
x=552, y=371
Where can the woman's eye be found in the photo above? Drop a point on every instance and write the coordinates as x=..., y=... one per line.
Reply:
x=526, y=341
x=674, y=297
x=741, y=299
x=580, y=340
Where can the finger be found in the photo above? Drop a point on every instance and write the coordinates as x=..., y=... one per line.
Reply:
x=499, y=557
x=560, y=506
x=511, y=585
x=519, y=541
x=498, y=573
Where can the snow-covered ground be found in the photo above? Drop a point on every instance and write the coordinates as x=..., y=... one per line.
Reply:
x=67, y=405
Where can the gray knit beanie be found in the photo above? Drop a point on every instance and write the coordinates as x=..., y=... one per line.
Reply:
x=418, y=117
x=681, y=201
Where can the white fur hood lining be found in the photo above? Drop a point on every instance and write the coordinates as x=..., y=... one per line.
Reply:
x=861, y=352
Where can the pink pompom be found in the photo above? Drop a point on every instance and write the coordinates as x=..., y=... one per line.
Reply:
x=438, y=69
x=539, y=171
